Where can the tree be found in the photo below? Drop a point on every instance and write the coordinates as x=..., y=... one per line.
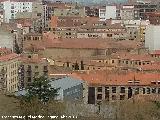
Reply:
x=41, y=89
x=40, y=100
x=17, y=49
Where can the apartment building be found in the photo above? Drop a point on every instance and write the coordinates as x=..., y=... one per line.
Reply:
x=31, y=67
x=140, y=8
x=103, y=30
x=136, y=28
x=107, y=12
x=9, y=63
x=127, y=12
x=11, y=8
x=88, y=27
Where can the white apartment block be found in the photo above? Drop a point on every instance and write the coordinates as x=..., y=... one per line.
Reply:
x=7, y=38
x=109, y=12
x=152, y=37
x=12, y=7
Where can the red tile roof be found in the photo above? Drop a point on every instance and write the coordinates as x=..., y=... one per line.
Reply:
x=105, y=78
x=128, y=56
x=8, y=57
x=150, y=67
x=156, y=52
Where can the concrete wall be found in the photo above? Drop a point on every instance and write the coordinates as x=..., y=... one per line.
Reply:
x=110, y=12
x=107, y=13
x=56, y=53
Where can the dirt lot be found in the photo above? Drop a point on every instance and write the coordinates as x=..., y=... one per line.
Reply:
x=8, y=106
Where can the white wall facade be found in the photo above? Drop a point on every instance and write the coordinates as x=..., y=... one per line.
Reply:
x=7, y=39
x=108, y=13
x=12, y=8
x=152, y=37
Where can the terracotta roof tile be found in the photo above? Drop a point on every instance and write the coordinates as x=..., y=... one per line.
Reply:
x=8, y=57
x=104, y=78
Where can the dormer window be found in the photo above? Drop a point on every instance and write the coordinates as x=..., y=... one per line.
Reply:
x=134, y=81
x=130, y=81
x=137, y=81
x=153, y=82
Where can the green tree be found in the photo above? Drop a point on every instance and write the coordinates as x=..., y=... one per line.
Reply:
x=17, y=49
x=40, y=100
x=41, y=89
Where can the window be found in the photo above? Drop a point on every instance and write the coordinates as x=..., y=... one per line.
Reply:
x=39, y=14
x=112, y=61
x=12, y=11
x=109, y=35
x=122, y=97
x=35, y=38
x=107, y=93
x=114, y=97
x=99, y=89
x=136, y=63
x=113, y=89
x=153, y=82
x=136, y=91
x=122, y=90
x=45, y=67
x=36, y=66
x=99, y=97
x=36, y=73
x=148, y=91
x=144, y=91
x=153, y=90
x=158, y=90
x=29, y=38
x=29, y=79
